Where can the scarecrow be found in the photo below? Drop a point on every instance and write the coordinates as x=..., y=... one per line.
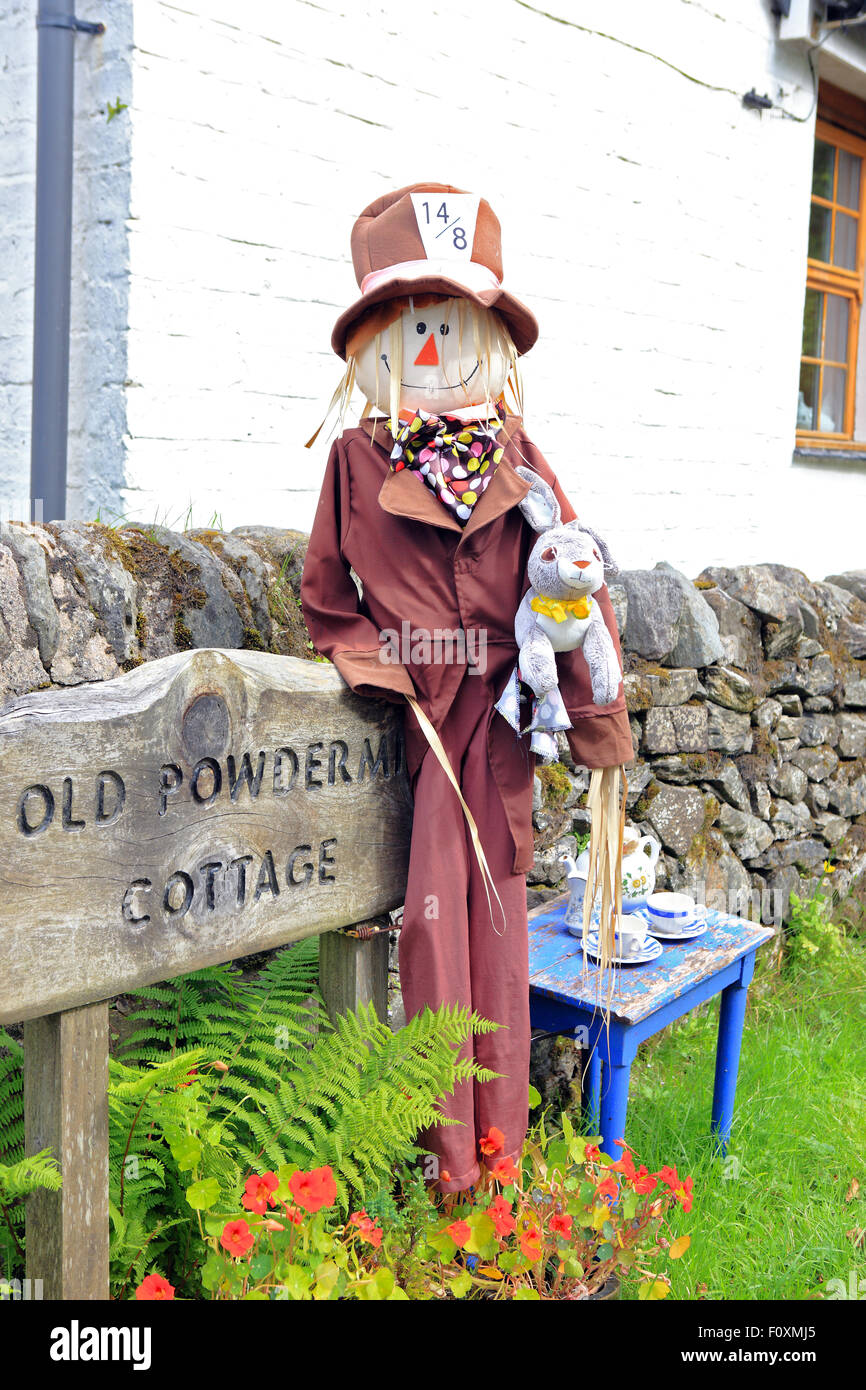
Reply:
x=421, y=500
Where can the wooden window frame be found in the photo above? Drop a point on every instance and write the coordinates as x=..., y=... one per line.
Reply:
x=826, y=278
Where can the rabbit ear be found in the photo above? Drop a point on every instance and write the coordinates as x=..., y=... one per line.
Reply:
x=611, y=568
x=539, y=506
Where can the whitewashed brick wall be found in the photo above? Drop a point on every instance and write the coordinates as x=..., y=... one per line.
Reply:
x=656, y=227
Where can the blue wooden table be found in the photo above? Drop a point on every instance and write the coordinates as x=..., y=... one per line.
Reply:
x=567, y=995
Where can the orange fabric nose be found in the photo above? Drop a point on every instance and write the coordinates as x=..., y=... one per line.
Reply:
x=428, y=356
x=581, y=564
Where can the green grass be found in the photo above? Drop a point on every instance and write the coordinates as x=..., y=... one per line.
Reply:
x=770, y=1221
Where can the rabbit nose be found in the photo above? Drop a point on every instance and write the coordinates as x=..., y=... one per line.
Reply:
x=582, y=564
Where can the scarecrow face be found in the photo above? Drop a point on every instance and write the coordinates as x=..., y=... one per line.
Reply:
x=453, y=356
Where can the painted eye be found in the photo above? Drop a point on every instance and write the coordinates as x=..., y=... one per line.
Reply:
x=421, y=328
x=549, y=552
x=444, y=329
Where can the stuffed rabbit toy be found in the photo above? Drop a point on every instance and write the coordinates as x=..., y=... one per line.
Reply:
x=566, y=566
x=568, y=563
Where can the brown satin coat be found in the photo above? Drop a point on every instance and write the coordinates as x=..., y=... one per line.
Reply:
x=417, y=564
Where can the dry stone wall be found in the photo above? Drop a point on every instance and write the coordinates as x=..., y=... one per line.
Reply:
x=746, y=687
x=747, y=694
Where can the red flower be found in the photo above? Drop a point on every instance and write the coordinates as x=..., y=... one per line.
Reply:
x=530, y=1243
x=367, y=1229
x=592, y=1152
x=271, y=1225
x=624, y=1165
x=293, y=1214
x=643, y=1181
x=445, y=1175
x=504, y=1171
x=459, y=1231
x=154, y=1287
x=560, y=1224
x=499, y=1212
x=670, y=1177
x=685, y=1194
x=236, y=1238
x=608, y=1188
x=492, y=1141
x=315, y=1189
x=180, y=1084
x=257, y=1195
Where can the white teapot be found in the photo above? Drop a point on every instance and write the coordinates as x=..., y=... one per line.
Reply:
x=638, y=874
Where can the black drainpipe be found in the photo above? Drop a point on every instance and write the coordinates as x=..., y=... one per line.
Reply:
x=54, y=141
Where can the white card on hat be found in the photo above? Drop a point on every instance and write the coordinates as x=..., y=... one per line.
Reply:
x=446, y=222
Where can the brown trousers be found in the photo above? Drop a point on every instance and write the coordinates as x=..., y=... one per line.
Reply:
x=449, y=949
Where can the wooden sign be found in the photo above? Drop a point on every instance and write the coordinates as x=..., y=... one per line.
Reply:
x=199, y=808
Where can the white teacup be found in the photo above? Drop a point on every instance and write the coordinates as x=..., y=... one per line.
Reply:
x=631, y=937
x=669, y=912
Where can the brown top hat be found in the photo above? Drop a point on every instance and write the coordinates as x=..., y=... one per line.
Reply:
x=431, y=238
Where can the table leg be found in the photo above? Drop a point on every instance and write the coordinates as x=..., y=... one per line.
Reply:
x=614, y=1103
x=732, y=1012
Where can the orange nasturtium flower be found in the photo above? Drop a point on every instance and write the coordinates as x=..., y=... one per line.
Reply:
x=492, y=1141
x=643, y=1181
x=293, y=1214
x=504, y=1171
x=272, y=1225
x=608, y=1188
x=154, y=1287
x=530, y=1243
x=315, y=1189
x=258, y=1192
x=367, y=1228
x=685, y=1194
x=560, y=1223
x=592, y=1152
x=499, y=1212
x=459, y=1231
x=236, y=1238
x=669, y=1177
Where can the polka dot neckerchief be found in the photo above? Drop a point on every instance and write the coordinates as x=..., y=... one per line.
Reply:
x=455, y=459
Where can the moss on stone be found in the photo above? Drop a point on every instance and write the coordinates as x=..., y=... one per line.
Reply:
x=182, y=635
x=555, y=784
x=253, y=640
x=705, y=584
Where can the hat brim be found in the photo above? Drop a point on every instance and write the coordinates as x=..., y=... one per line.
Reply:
x=521, y=322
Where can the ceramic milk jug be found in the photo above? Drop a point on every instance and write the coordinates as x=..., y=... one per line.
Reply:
x=639, y=857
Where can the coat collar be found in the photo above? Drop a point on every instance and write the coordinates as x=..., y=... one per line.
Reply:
x=405, y=496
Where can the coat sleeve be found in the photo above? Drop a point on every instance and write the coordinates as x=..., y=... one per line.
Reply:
x=601, y=734
x=330, y=602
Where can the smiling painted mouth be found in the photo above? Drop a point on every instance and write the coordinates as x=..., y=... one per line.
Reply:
x=418, y=386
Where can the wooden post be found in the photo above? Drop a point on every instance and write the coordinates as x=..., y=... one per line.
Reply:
x=66, y=1108
x=354, y=970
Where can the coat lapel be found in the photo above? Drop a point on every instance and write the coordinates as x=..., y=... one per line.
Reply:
x=403, y=495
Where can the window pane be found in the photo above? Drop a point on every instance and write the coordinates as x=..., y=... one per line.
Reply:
x=822, y=170
x=836, y=329
x=812, y=323
x=819, y=233
x=806, y=406
x=848, y=186
x=845, y=251
x=833, y=400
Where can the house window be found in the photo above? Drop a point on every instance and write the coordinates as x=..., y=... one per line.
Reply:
x=834, y=289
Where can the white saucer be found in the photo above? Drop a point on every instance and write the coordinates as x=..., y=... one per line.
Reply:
x=651, y=951
x=689, y=932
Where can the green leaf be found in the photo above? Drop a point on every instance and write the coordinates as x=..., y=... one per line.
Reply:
x=461, y=1285
x=261, y=1266
x=534, y=1098
x=296, y=1281
x=203, y=1194
x=186, y=1150
x=527, y=1296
